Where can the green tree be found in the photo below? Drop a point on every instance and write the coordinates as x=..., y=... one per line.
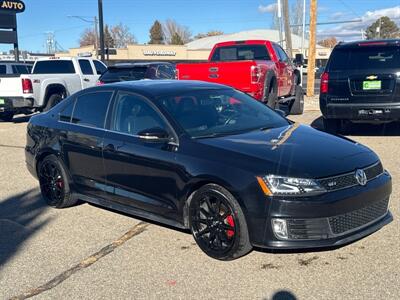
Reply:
x=176, y=39
x=156, y=34
x=383, y=28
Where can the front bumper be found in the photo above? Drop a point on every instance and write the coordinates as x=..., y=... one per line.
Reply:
x=333, y=219
x=361, y=111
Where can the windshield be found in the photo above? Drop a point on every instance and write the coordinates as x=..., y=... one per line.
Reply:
x=362, y=58
x=124, y=74
x=208, y=113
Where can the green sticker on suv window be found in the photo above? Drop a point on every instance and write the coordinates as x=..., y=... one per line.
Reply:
x=2, y=101
x=372, y=85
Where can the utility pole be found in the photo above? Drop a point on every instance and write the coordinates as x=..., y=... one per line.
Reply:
x=312, y=49
x=303, y=32
x=288, y=34
x=279, y=8
x=96, y=37
x=101, y=26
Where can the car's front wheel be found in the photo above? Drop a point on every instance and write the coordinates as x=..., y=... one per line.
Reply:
x=7, y=116
x=54, y=183
x=218, y=224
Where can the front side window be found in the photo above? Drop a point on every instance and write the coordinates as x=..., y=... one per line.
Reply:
x=100, y=68
x=132, y=114
x=54, y=67
x=91, y=109
x=86, y=67
x=210, y=113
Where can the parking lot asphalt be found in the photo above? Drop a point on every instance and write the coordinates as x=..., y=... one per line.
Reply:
x=87, y=252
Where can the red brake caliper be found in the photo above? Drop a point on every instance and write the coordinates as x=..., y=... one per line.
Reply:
x=60, y=183
x=229, y=220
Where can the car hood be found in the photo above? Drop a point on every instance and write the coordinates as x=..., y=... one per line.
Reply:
x=295, y=150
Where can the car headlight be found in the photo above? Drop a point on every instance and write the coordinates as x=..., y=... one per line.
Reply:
x=273, y=185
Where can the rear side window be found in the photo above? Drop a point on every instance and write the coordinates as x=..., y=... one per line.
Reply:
x=54, y=67
x=241, y=52
x=362, y=58
x=91, y=109
x=20, y=69
x=3, y=69
x=124, y=74
x=100, y=68
x=165, y=72
x=86, y=67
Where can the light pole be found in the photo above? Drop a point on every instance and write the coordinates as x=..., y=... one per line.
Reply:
x=101, y=25
x=96, y=33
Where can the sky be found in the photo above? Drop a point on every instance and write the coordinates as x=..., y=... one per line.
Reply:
x=229, y=16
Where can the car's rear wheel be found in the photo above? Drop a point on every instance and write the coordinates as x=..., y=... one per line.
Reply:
x=54, y=183
x=218, y=224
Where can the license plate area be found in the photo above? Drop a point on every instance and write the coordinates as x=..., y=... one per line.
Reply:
x=372, y=85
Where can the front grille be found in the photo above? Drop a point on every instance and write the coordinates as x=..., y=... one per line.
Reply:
x=348, y=180
x=358, y=218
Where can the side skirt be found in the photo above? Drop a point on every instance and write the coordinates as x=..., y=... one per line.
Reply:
x=129, y=210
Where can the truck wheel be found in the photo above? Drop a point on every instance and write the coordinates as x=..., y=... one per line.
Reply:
x=7, y=116
x=271, y=97
x=333, y=125
x=297, y=106
x=53, y=101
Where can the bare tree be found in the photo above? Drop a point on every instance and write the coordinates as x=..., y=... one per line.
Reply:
x=296, y=16
x=172, y=29
x=122, y=36
x=209, y=33
x=88, y=38
x=329, y=42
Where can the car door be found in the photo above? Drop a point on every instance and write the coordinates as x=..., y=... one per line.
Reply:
x=89, y=77
x=82, y=140
x=140, y=173
x=287, y=72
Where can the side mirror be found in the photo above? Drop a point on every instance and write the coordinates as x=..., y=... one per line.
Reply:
x=155, y=134
x=299, y=59
x=281, y=112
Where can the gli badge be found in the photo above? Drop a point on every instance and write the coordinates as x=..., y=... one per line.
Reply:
x=361, y=177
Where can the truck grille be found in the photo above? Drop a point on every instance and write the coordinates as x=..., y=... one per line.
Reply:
x=358, y=218
x=348, y=180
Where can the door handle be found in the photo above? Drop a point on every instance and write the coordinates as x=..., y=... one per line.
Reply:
x=86, y=79
x=109, y=148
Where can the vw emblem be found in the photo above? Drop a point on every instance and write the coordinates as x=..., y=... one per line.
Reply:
x=361, y=177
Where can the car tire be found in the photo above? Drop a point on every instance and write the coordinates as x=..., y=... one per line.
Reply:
x=297, y=107
x=53, y=101
x=7, y=116
x=270, y=94
x=54, y=183
x=218, y=224
x=333, y=125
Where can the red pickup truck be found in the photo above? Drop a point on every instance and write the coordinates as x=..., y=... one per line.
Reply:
x=256, y=67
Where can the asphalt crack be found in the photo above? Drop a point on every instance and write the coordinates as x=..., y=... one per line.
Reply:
x=11, y=146
x=87, y=262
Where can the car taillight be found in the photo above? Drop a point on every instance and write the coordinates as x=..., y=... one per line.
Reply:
x=99, y=82
x=176, y=74
x=324, y=83
x=255, y=74
x=27, y=86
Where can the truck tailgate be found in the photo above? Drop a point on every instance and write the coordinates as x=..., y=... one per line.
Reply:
x=10, y=86
x=236, y=74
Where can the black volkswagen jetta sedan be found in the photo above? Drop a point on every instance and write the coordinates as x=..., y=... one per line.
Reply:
x=210, y=159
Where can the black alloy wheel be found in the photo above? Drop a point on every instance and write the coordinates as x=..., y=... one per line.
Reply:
x=54, y=183
x=217, y=226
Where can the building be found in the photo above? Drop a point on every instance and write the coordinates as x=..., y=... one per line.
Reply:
x=197, y=50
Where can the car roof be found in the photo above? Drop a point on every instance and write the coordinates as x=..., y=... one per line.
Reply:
x=156, y=88
x=364, y=43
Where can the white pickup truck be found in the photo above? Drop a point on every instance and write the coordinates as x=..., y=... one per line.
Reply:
x=52, y=80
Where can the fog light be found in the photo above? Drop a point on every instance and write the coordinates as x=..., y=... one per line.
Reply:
x=280, y=228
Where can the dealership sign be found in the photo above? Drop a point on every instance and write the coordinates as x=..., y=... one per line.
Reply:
x=15, y=6
x=159, y=53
